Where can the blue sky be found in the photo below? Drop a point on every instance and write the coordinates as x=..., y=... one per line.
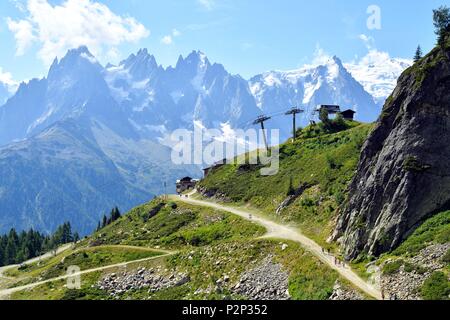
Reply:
x=247, y=36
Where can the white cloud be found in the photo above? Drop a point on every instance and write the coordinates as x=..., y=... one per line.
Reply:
x=368, y=41
x=113, y=54
x=57, y=28
x=6, y=78
x=320, y=56
x=23, y=33
x=176, y=33
x=207, y=4
x=168, y=40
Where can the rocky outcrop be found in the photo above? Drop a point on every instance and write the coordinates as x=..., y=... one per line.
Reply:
x=291, y=198
x=403, y=176
x=152, y=279
x=406, y=282
x=266, y=282
x=213, y=194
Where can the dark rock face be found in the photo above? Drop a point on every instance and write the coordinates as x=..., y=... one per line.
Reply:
x=403, y=176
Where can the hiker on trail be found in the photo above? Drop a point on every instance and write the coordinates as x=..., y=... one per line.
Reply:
x=382, y=294
x=250, y=216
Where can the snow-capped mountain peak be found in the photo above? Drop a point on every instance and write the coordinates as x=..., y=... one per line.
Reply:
x=152, y=96
x=75, y=86
x=311, y=85
x=74, y=55
x=196, y=58
x=141, y=65
x=74, y=64
x=378, y=73
x=330, y=69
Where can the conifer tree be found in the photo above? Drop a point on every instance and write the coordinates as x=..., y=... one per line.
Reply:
x=418, y=54
x=115, y=214
x=441, y=21
x=105, y=221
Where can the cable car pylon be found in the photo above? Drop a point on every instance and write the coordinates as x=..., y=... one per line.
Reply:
x=260, y=121
x=294, y=111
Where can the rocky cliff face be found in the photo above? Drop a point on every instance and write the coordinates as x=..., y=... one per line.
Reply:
x=403, y=175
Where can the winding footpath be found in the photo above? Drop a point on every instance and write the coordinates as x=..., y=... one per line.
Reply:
x=31, y=261
x=279, y=231
x=7, y=292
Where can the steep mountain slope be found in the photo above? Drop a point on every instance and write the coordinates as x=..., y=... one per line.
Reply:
x=310, y=185
x=310, y=86
x=74, y=87
x=76, y=171
x=25, y=107
x=77, y=140
x=403, y=175
x=60, y=172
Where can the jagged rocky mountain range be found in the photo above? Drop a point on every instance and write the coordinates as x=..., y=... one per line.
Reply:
x=162, y=100
x=87, y=137
x=156, y=100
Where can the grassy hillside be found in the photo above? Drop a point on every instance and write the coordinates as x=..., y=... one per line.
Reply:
x=323, y=162
x=84, y=258
x=435, y=230
x=207, y=244
x=173, y=226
